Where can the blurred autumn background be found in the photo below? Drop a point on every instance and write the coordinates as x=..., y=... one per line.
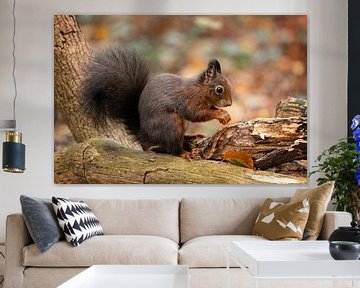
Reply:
x=264, y=57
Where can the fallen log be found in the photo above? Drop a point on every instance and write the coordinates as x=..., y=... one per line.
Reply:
x=100, y=161
x=269, y=141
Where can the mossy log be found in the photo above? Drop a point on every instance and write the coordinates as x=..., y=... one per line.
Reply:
x=100, y=161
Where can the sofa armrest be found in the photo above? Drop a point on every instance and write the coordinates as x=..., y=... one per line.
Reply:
x=333, y=220
x=17, y=237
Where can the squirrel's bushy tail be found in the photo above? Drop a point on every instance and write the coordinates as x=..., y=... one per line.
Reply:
x=112, y=87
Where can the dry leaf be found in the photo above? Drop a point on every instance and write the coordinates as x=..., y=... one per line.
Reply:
x=239, y=158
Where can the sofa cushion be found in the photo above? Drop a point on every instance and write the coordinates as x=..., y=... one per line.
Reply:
x=279, y=221
x=211, y=251
x=158, y=217
x=319, y=198
x=35, y=277
x=107, y=249
x=77, y=220
x=200, y=217
x=41, y=221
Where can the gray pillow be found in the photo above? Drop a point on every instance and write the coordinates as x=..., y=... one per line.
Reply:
x=41, y=221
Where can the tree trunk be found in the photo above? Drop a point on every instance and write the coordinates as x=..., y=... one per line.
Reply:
x=100, y=161
x=71, y=54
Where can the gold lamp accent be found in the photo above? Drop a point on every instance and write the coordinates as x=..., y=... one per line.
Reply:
x=13, y=153
x=14, y=136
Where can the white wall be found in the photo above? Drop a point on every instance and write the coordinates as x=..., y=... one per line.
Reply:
x=327, y=89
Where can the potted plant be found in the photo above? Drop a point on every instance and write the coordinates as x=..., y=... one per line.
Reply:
x=341, y=163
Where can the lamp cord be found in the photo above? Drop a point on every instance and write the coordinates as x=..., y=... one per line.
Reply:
x=14, y=60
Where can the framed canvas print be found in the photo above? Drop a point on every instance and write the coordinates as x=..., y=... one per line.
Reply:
x=166, y=99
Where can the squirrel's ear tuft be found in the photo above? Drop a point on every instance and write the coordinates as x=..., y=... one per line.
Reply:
x=210, y=73
x=213, y=67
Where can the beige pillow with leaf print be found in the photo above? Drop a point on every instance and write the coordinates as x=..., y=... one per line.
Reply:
x=319, y=198
x=279, y=221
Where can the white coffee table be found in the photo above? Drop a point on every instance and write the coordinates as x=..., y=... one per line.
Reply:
x=131, y=276
x=292, y=260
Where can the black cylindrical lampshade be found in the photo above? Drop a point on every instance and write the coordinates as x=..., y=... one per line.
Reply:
x=13, y=154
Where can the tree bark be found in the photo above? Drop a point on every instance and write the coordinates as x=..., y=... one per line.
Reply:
x=100, y=161
x=269, y=141
x=71, y=54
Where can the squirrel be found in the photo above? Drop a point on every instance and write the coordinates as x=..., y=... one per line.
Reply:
x=117, y=86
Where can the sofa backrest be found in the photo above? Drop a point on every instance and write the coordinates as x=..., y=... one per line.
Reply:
x=200, y=217
x=159, y=217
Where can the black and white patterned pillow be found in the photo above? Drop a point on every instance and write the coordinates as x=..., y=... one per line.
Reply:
x=77, y=220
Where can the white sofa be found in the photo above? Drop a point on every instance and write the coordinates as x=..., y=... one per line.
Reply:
x=194, y=232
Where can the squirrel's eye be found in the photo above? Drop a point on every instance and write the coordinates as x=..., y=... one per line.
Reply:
x=219, y=89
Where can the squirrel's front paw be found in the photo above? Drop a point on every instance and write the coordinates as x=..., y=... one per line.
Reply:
x=224, y=117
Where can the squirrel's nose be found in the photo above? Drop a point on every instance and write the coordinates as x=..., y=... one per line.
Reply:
x=228, y=103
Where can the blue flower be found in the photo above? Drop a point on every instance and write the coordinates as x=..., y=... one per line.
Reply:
x=355, y=126
x=355, y=122
x=357, y=176
x=356, y=134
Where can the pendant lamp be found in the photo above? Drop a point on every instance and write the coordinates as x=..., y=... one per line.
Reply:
x=13, y=150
